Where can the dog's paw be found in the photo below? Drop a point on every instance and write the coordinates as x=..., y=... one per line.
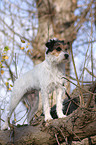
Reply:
x=61, y=115
x=48, y=118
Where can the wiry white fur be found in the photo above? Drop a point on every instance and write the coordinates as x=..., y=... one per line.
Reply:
x=44, y=77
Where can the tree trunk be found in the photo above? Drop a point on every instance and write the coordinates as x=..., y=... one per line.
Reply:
x=55, y=19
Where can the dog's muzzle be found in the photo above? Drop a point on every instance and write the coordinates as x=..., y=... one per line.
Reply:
x=66, y=56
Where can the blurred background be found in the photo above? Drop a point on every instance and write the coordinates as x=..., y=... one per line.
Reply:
x=25, y=27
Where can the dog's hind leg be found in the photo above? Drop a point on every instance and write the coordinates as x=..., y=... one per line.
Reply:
x=18, y=92
x=32, y=100
x=15, y=99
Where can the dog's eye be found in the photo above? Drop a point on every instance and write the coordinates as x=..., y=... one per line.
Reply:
x=65, y=49
x=58, y=49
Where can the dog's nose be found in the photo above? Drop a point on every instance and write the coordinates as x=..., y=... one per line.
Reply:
x=66, y=56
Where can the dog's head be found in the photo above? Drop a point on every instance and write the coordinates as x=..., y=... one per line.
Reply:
x=57, y=50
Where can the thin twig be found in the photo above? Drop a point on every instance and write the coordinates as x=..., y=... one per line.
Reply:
x=78, y=86
x=91, y=43
x=91, y=73
x=68, y=107
x=91, y=96
x=22, y=117
x=63, y=135
x=57, y=139
x=82, y=99
x=87, y=82
x=16, y=65
x=84, y=64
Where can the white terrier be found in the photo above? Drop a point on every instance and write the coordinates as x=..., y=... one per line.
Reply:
x=44, y=77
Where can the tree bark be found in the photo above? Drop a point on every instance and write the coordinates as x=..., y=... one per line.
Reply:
x=77, y=126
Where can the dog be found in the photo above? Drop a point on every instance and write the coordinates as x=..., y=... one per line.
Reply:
x=44, y=77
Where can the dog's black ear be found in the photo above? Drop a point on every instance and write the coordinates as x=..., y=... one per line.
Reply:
x=47, y=44
x=50, y=43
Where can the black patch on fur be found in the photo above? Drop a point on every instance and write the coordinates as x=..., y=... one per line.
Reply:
x=50, y=45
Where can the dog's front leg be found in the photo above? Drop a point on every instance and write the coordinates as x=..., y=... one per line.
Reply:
x=60, y=92
x=46, y=107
